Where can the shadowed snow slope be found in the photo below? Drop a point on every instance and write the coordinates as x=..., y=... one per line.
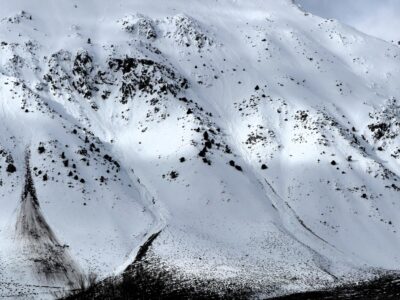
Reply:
x=262, y=141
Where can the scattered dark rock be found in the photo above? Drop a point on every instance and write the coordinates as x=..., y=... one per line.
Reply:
x=173, y=174
x=205, y=135
x=203, y=152
x=41, y=150
x=379, y=129
x=239, y=168
x=11, y=168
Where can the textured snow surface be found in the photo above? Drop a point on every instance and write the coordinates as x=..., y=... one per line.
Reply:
x=263, y=141
x=377, y=18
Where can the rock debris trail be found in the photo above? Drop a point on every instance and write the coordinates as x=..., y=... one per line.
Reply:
x=41, y=248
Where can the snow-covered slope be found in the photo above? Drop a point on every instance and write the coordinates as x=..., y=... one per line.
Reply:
x=263, y=142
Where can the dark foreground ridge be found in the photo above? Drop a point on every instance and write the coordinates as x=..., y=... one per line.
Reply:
x=148, y=285
x=149, y=278
x=387, y=287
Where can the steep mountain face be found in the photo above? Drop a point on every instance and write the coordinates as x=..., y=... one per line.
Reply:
x=248, y=141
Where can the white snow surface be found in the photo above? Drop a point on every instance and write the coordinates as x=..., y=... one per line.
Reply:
x=110, y=96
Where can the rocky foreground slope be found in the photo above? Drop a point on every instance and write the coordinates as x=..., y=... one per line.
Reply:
x=255, y=145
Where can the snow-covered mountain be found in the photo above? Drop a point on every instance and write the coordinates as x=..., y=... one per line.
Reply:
x=250, y=142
